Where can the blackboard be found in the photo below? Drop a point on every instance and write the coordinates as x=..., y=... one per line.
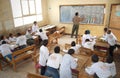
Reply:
x=93, y=14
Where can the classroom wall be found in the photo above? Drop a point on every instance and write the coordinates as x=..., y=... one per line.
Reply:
x=53, y=13
x=6, y=21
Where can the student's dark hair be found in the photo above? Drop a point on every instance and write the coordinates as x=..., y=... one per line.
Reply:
x=34, y=22
x=73, y=43
x=95, y=58
x=87, y=31
x=105, y=29
x=2, y=37
x=109, y=59
x=4, y=42
x=57, y=49
x=71, y=51
x=87, y=40
x=109, y=31
x=18, y=34
x=45, y=42
x=76, y=14
x=40, y=30
x=10, y=34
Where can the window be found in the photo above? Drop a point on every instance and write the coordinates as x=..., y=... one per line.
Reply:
x=26, y=11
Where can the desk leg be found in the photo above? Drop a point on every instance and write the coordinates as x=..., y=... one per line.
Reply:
x=0, y=66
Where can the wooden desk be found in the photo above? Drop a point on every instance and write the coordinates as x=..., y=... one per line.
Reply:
x=82, y=62
x=101, y=45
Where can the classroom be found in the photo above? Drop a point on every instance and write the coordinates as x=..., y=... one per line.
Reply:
x=80, y=30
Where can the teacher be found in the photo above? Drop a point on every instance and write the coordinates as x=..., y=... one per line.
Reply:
x=76, y=20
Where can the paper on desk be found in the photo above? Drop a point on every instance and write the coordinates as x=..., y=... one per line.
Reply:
x=65, y=51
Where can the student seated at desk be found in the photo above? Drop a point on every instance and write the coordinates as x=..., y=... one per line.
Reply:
x=29, y=37
x=35, y=27
x=74, y=46
x=87, y=35
x=42, y=35
x=12, y=38
x=98, y=69
x=53, y=63
x=111, y=64
x=4, y=38
x=89, y=44
x=21, y=41
x=68, y=63
x=5, y=50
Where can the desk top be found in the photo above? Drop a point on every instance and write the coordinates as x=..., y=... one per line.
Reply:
x=101, y=44
x=82, y=61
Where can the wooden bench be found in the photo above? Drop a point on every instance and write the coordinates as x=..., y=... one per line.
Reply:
x=22, y=55
x=60, y=31
x=31, y=75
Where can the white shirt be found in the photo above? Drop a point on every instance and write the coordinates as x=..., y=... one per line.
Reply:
x=44, y=54
x=110, y=39
x=21, y=40
x=35, y=28
x=28, y=35
x=100, y=68
x=105, y=35
x=68, y=63
x=89, y=45
x=42, y=35
x=5, y=49
x=76, y=48
x=54, y=60
x=112, y=68
x=12, y=39
x=87, y=36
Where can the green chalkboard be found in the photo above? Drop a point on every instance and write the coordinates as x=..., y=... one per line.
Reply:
x=92, y=14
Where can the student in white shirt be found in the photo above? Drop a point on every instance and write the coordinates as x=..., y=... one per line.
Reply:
x=53, y=63
x=4, y=38
x=35, y=27
x=68, y=63
x=12, y=38
x=74, y=46
x=111, y=41
x=28, y=33
x=42, y=35
x=87, y=35
x=43, y=56
x=5, y=50
x=105, y=34
x=98, y=69
x=111, y=65
x=89, y=44
x=21, y=41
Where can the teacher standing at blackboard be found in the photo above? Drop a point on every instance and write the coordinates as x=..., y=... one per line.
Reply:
x=76, y=21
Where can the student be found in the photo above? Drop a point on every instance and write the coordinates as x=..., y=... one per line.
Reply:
x=105, y=34
x=68, y=63
x=29, y=37
x=4, y=38
x=42, y=35
x=74, y=46
x=53, y=63
x=12, y=38
x=111, y=65
x=89, y=44
x=43, y=56
x=98, y=69
x=111, y=41
x=87, y=35
x=5, y=50
x=21, y=41
x=35, y=27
